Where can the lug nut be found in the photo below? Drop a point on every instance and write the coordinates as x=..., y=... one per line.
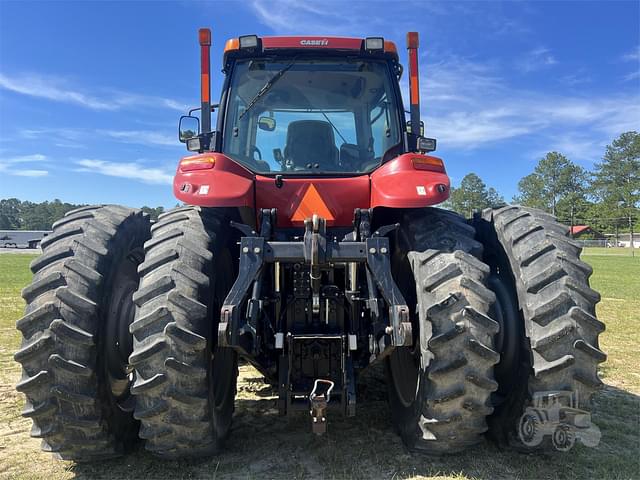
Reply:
x=383, y=250
x=372, y=250
x=256, y=250
x=245, y=249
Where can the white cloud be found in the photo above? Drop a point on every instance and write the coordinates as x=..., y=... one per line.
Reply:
x=468, y=105
x=30, y=173
x=144, y=137
x=631, y=76
x=58, y=90
x=536, y=59
x=326, y=18
x=72, y=136
x=35, y=86
x=13, y=165
x=579, y=77
x=131, y=170
x=369, y=18
x=34, y=157
x=632, y=56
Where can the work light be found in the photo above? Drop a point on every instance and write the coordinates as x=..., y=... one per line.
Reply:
x=374, y=43
x=426, y=144
x=248, y=41
x=193, y=144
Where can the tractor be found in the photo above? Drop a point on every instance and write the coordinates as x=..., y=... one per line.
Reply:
x=556, y=414
x=310, y=247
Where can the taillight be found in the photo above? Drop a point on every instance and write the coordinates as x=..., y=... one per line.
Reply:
x=188, y=164
x=428, y=163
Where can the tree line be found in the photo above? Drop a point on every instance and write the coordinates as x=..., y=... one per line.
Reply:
x=606, y=198
x=24, y=215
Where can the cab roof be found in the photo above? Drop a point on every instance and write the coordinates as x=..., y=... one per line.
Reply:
x=308, y=43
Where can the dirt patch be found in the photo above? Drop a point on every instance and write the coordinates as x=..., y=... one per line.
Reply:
x=265, y=445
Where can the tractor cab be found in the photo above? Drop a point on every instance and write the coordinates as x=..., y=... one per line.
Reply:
x=311, y=115
x=309, y=125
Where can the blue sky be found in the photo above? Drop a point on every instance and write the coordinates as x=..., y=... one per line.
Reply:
x=90, y=92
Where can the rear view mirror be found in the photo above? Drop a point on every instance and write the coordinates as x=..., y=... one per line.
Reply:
x=267, y=123
x=188, y=127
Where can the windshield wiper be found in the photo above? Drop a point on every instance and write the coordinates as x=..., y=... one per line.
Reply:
x=266, y=87
x=334, y=127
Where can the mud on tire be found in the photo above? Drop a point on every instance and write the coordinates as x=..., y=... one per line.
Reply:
x=184, y=385
x=439, y=391
x=68, y=376
x=557, y=306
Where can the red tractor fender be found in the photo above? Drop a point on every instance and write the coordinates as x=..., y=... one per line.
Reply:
x=213, y=180
x=410, y=181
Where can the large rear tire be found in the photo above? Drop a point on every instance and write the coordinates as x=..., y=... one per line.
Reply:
x=439, y=389
x=185, y=386
x=533, y=255
x=76, y=342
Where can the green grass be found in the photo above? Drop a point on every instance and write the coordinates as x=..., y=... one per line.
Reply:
x=613, y=251
x=14, y=275
x=263, y=445
x=618, y=281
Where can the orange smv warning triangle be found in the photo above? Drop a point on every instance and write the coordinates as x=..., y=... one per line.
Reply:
x=311, y=203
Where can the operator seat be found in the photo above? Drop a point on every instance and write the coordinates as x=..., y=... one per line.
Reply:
x=311, y=142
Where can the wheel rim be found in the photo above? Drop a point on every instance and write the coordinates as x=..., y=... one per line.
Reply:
x=118, y=343
x=405, y=373
x=508, y=338
x=403, y=361
x=222, y=370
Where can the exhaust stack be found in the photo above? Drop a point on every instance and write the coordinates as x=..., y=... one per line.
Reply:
x=204, y=36
x=414, y=86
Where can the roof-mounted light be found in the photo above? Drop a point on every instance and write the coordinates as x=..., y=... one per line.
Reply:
x=232, y=44
x=248, y=41
x=390, y=47
x=374, y=44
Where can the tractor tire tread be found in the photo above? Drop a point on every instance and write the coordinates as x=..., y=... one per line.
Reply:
x=453, y=303
x=60, y=372
x=170, y=331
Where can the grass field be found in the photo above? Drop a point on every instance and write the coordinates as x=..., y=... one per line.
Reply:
x=263, y=445
x=615, y=251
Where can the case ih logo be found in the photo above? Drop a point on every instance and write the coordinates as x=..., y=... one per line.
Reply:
x=314, y=43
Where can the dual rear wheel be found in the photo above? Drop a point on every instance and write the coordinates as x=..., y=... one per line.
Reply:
x=503, y=309
x=118, y=334
x=119, y=329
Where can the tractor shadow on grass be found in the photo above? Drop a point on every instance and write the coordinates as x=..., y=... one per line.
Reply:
x=265, y=445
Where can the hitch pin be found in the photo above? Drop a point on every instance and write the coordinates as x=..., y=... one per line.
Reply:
x=319, y=406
